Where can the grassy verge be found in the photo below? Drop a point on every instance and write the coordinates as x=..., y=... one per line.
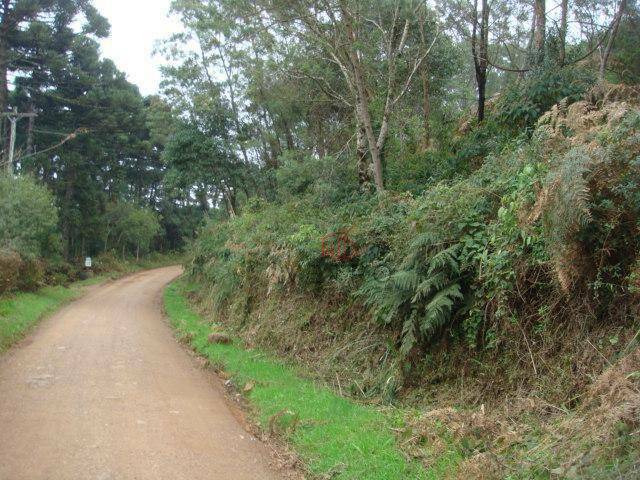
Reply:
x=335, y=437
x=20, y=312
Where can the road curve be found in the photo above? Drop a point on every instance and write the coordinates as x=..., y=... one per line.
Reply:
x=102, y=391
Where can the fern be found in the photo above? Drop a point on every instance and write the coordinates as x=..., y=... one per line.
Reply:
x=409, y=339
x=434, y=282
x=405, y=280
x=568, y=206
x=424, y=240
x=445, y=259
x=438, y=310
x=422, y=294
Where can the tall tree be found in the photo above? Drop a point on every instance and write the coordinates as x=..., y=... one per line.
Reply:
x=540, y=33
x=354, y=36
x=480, y=51
x=33, y=30
x=605, y=51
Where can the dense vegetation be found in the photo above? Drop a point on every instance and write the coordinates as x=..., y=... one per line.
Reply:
x=405, y=235
x=429, y=203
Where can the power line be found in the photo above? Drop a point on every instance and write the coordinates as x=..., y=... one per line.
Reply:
x=67, y=137
x=51, y=132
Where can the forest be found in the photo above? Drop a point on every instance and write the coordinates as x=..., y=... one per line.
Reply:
x=428, y=205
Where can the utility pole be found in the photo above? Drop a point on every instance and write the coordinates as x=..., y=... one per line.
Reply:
x=13, y=117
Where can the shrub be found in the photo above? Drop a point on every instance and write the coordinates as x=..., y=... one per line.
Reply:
x=108, y=262
x=59, y=272
x=10, y=264
x=31, y=274
x=327, y=180
x=28, y=218
x=474, y=256
x=523, y=102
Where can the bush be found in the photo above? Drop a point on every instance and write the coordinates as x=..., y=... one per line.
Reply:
x=31, y=275
x=327, y=180
x=540, y=221
x=523, y=102
x=10, y=264
x=108, y=262
x=28, y=218
x=59, y=272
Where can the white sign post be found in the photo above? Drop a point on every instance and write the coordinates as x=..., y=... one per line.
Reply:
x=87, y=262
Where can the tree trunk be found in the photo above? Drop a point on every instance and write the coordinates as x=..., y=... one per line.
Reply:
x=479, y=49
x=4, y=65
x=365, y=119
x=426, y=109
x=362, y=110
x=234, y=105
x=424, y=78
x=275, y=149
x=604, y=59
x=30, y=125
x=482, y=95
x=562, y=47
x=4, y=54
x=288, y=135
x=362, y=105
x=69, y=187
x=364, y=166
x=540, y=32
x=229, y=199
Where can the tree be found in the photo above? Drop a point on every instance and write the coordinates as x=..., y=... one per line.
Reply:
x=540, y=15
x=624, y=60
x=28, y=218
x=368, y=43
x=131, y=226
x=31, y=31
x=613, y=31
x=480, y=51
x=205, y=168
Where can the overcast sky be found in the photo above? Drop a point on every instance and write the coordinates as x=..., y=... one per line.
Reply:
x=135, y=26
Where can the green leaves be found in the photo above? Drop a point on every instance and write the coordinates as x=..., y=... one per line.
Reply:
x=28, y=217
x=439, y=308
x=405, y=280
x=422, y=294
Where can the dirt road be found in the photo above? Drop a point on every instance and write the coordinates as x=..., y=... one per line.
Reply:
x=102, y=391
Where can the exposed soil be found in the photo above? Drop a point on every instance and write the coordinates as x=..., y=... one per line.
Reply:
x=103, y=391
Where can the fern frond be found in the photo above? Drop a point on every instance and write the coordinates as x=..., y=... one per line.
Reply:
x=405, y=279
x=434, y=282
x=409, y=339
x=424, y=240
x=438, y=310
x=445, y=258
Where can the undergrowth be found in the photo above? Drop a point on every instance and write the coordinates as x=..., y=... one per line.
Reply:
x=513, y=279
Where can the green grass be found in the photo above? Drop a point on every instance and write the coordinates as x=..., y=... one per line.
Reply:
x=20, y=312
x=335, y=437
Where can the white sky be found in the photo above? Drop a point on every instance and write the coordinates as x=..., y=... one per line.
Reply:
x=135, y=27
